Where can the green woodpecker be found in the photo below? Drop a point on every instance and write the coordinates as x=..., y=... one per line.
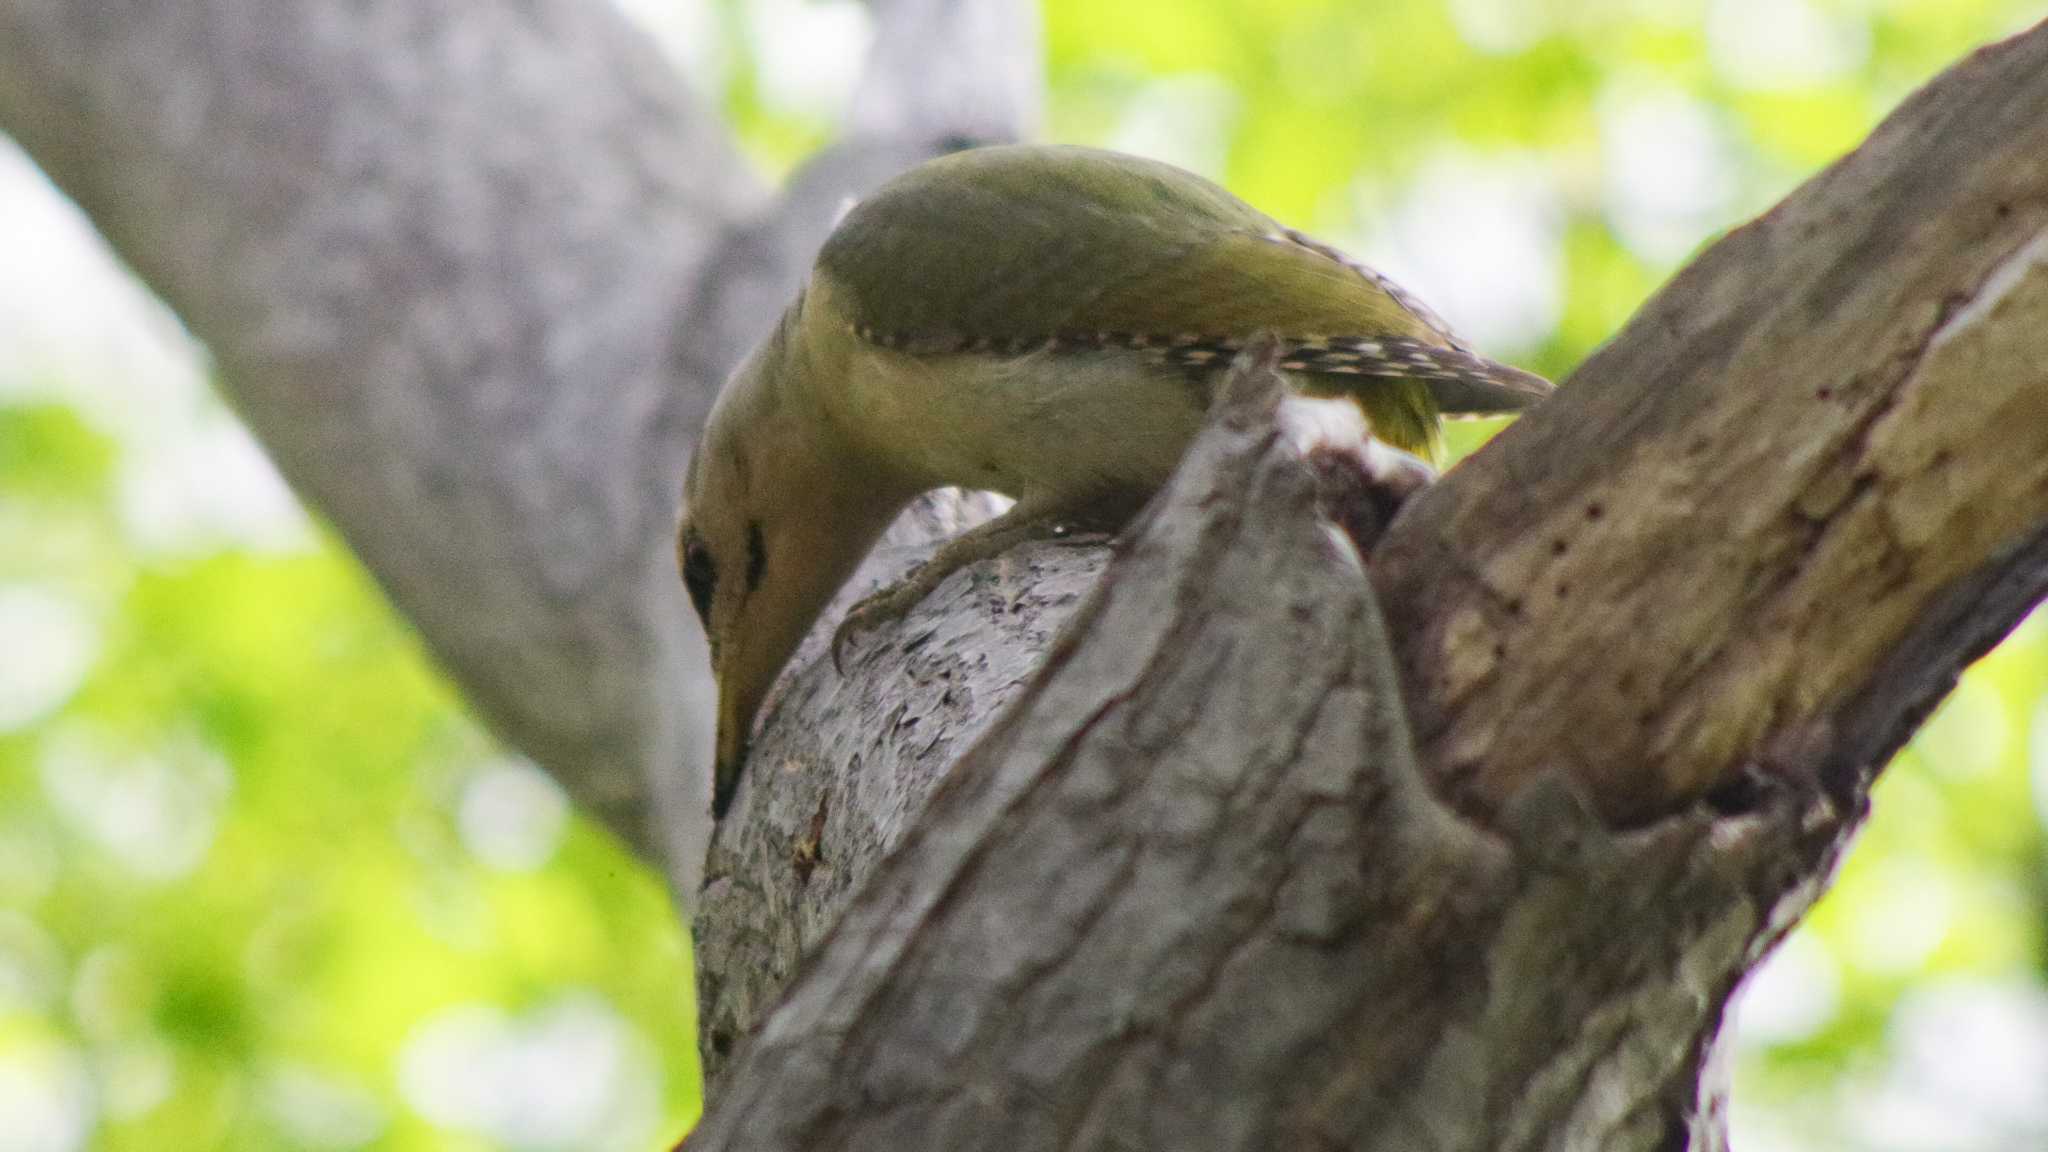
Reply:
x=1048, y=323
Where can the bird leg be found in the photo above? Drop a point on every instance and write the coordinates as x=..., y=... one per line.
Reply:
x=1028, y=518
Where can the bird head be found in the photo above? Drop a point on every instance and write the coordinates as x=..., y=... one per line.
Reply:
x=775, y=519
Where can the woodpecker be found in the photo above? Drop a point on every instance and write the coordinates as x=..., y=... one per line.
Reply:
x=1044, y=322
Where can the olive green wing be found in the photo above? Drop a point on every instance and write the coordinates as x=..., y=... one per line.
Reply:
x=1012, y=247
x=1028, y=242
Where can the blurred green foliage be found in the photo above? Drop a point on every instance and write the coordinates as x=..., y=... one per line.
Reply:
x=232, y=877
x=264, y=885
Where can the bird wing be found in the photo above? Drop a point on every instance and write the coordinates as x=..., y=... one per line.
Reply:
x=1009, y=248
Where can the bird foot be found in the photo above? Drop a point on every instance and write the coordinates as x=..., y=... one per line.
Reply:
x=1080, y=524
x=881, y=607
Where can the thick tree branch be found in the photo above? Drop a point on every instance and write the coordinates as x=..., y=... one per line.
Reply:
x=435, y=249
x=843, y=765
x=1793, y=459
x=1192, y=891
x=1737, y=558
x=472, y=271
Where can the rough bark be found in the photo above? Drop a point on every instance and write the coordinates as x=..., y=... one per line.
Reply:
x=1192, y=891
x=1192, y=888
x=473, y=271
x=1827, y=434
x=852, y=758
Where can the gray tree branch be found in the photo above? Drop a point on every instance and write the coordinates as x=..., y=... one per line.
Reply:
x=473, y=271
x=1191, y=888
x=435, y=250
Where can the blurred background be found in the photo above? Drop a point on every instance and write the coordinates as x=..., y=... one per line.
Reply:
x=265, y=885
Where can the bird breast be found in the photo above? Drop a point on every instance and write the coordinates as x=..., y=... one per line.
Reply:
x=1047, y=422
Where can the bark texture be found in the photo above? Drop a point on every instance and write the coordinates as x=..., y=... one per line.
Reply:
x=1651, y=647
x=473, y=270
x=845, y=789
x=1824, y=439
x=1193, y=891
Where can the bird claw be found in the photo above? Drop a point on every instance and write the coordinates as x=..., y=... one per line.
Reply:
x=874, y=610
x=979, y=543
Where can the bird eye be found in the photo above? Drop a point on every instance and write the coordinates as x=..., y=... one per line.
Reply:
x=700, y=575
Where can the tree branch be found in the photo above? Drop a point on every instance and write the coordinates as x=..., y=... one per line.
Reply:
x=473, y=271
x=1736, y=558
x=435, y=249
x=1192, y=891
x=1800, y=453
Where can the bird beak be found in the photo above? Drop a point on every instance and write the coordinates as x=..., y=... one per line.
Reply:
x=732, y=752
x=735, y=731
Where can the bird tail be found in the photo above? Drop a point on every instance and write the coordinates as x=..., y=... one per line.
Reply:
x=1462, y=383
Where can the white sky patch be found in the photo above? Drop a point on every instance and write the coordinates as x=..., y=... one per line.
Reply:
x=809, y=54
x=1783, y=44
x=51, y=645
x=569, y=1075
x=77, y=328
x=1905, y=914
x=1500, y=27
x=209, y=489
x=1481, y=241
x=134, y=1077
x=1969, y=1064
x=1505, y=27
x=155, y=810
x=686, y=31
x=1668, y=171
x=512, y=816
x=1755, y=1130
x=1792, y=997
x=1184, y=120
x=31, y=967
x=46, y=1100
x=321, y=1111
x=1890, y=1118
